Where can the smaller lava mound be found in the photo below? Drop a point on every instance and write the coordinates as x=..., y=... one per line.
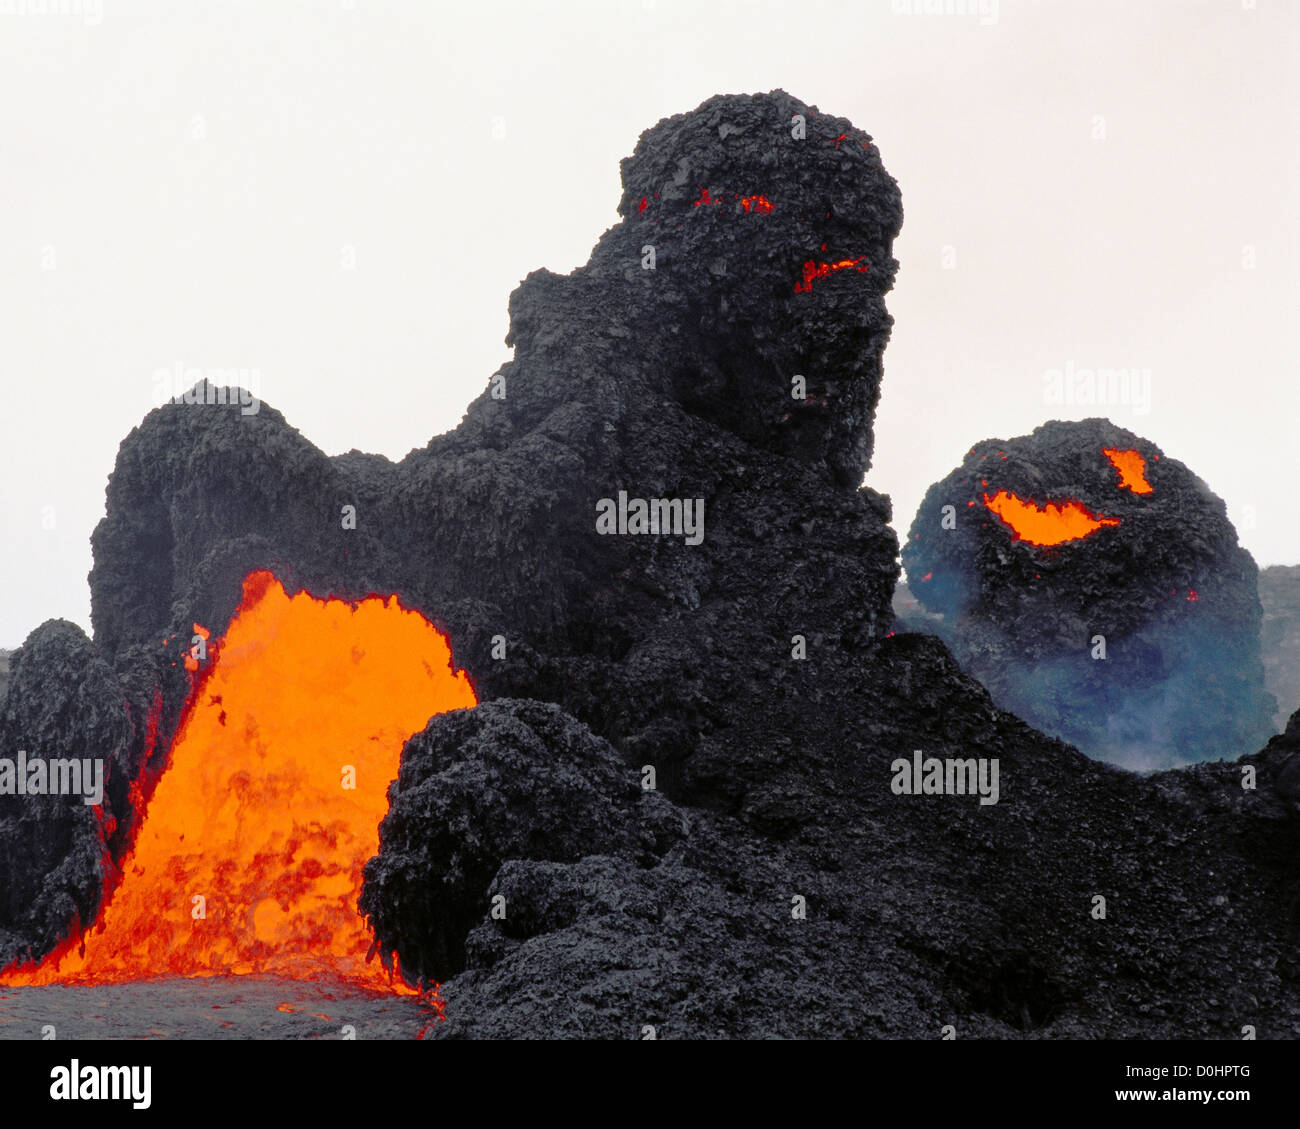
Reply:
x=1097, y=589
x=513, y=780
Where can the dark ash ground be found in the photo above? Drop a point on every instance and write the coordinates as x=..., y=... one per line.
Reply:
x=222, y=1007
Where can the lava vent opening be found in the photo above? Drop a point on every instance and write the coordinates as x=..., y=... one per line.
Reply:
x=249, y=858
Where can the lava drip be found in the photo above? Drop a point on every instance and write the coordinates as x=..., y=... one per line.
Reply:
x=250, y=854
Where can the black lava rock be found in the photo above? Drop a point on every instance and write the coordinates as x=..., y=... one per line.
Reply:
x=775, y=883
x=517, y=780
x=64, y=704
x=746, y=387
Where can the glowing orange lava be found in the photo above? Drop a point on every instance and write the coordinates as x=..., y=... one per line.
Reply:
x=813, y=271
x=1050, y=524
x=250, y=853
x=1132, y=469
x=757, y=203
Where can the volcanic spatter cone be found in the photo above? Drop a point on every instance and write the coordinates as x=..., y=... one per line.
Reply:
x=677, y=744
x=1096, y=587
x=702, y=354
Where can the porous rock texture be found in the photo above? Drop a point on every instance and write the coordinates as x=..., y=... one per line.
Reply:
x=771, y=882
x=1139, y=642
x=64, y=701
x=509, y=780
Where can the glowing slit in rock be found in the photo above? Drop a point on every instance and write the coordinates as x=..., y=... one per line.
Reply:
x=1132, y=469
x=1051, y=524
x=250, y=852
x=813, y=271
x=756, y=203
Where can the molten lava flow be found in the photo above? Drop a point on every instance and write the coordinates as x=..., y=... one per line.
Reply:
x=250, y=853
x=813, y=271
x=1132, y=469
x=758, y=203
x=1051, y=524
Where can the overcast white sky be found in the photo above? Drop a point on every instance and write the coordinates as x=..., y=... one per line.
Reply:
x=341, y=194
